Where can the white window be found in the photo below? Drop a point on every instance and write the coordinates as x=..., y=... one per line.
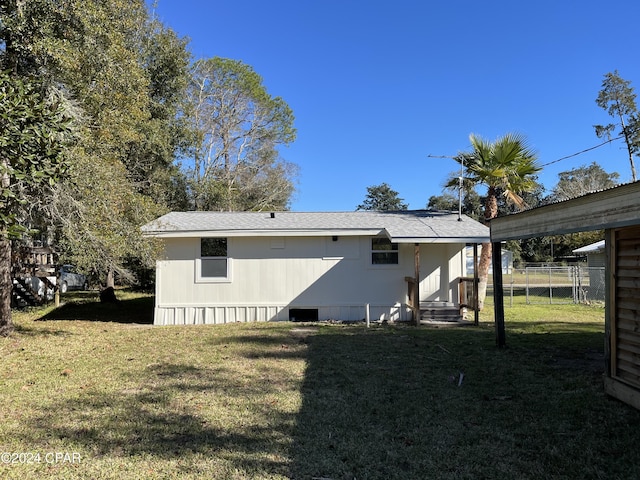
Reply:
x=383, y=252
x=213, y=262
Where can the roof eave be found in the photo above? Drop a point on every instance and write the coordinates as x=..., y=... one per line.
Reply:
x=311, y=233
x=264, y=233
x=483, y=239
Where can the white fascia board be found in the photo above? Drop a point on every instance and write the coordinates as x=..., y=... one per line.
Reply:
x=440, y=239
x=264, y=233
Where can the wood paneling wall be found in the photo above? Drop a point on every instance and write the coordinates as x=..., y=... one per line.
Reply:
x=626, y=305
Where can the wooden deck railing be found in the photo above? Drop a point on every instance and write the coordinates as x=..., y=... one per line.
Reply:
x=468, y=289
x=413, y=298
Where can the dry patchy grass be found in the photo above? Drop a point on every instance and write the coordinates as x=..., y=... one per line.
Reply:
x=283, y=400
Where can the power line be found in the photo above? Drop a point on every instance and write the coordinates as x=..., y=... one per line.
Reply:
x=554, y=161
x=581, y=152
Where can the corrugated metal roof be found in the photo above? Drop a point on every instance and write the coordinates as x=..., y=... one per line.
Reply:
x=556, y=202
x=400, y=226
x=614, y=207
x=591, y=248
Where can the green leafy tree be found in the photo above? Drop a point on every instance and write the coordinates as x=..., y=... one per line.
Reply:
x=530, y=249
x=382, y=197
x=582, y=180
x=127, y=75
x=103, y=234
x=471, y=202
x=121, y=68
x=238, y=128
x=472, y=206
x=150, y=162
x=574, y=183
x=507, y=167
x=617, y=97
x=564, y=245
x=444, y=202
x=26, y=26
x=34, y=132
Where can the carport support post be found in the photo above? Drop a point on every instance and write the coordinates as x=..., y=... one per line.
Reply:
x=416, y=285
x=476, y=312
x=498, y=294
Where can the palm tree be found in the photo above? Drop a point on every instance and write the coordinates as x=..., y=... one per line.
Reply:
x=506, y=167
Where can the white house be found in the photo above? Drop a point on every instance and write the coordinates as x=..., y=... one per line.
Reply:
x=221, y=267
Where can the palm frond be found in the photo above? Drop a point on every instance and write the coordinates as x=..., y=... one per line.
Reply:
x=506, y=164
x=516, y=199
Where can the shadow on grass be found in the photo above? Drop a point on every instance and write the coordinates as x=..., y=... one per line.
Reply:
x=380, y=403
x=421, y=403
x=375, y=404
x=135, y=310
x=264, y=346
x=33, y=332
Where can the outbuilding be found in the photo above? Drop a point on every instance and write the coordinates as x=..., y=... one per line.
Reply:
x=221, y=267
x=617, y=211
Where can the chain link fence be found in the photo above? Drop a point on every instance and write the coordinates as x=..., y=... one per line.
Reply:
x=552, y=285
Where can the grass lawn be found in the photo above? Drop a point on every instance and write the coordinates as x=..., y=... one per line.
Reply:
x=124, y=399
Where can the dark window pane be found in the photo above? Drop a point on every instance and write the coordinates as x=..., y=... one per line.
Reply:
x=384, y=258
x=383, y=252
x=383, y=244
x=213, y=247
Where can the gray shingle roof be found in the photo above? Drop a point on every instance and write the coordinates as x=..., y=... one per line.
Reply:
x=400, y=226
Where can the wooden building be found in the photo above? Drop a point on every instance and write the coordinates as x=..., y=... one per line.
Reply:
x=617, y=211
x=33, y=274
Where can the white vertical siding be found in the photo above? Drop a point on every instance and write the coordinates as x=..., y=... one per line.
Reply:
x=441, y=264
x=271, y=275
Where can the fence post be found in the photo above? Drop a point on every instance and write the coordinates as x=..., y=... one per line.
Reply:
x=582, y=294
x=511, y=299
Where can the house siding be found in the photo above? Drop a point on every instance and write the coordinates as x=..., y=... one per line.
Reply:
x=270, y=275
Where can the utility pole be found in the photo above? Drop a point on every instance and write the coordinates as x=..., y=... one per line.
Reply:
x=460, y=186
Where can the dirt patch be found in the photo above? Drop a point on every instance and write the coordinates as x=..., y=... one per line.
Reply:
x=303, y=332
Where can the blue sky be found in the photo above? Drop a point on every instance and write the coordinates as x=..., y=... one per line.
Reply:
x=378, y=86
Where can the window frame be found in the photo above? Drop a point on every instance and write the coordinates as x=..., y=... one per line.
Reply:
x=200, y=278
x=394, y=249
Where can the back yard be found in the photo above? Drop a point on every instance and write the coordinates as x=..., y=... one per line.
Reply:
x=94, y=391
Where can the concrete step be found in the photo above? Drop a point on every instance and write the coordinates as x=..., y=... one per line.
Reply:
x=427, y=305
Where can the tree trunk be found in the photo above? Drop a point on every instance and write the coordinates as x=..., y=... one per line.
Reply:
x=629, y=143
x=483, y=273
x=490, y=211
x=110, y=279
x=6, y=285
